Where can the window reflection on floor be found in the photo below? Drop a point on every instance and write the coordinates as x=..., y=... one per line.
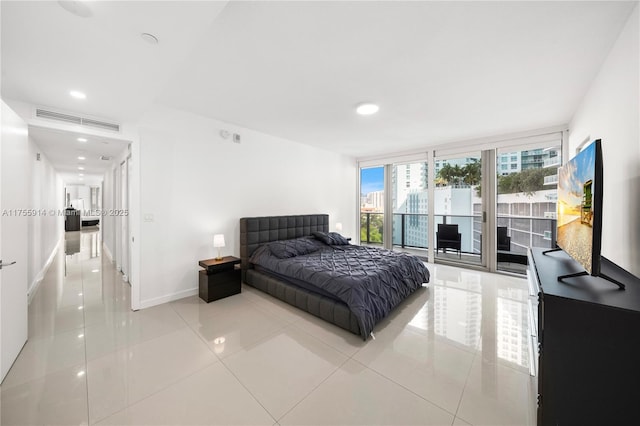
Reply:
x=479, y=311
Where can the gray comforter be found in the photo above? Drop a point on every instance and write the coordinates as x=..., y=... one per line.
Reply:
x=371, y=281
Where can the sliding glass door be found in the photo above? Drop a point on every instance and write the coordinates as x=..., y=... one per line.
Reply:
x=481, y=206
x=372, y=202
x=410, y=208
x=526, y=202
x=458, y=221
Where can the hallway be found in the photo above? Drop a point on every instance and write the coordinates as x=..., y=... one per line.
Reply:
x=81, y=294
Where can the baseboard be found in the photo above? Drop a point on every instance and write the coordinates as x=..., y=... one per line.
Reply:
x=168, y=298
x=38, y=279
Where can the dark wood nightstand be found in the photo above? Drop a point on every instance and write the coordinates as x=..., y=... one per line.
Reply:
x=220, y=278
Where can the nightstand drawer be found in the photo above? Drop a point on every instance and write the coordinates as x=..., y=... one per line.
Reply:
x=218, y=285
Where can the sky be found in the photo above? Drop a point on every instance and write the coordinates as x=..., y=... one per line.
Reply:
x=574, y=174
x=371, y=180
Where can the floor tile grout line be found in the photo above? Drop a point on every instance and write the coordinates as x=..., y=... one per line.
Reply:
x=404, y=387
x=265, y=339
x=313, y=390
x=464, y=388
x=175, y=382
x=248, y=390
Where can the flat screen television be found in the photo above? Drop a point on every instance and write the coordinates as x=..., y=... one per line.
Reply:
x=579, y=227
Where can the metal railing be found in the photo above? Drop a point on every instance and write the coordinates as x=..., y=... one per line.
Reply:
x=367, y=222
x=411, y=230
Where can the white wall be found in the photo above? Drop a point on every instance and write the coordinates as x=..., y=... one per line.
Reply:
x=80, y=193
x=109, y=221
x=46, y=195
x=610, y=111
x=193, y=184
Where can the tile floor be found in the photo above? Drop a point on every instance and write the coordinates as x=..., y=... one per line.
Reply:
x=456, y=353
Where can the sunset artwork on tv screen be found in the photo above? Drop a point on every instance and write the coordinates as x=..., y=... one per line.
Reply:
x=579, y=207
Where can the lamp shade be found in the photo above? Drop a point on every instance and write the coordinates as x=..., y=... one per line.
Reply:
x=218, y=240
x=339, y=227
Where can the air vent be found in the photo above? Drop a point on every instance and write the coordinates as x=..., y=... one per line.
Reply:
x=105, y=158
x=67, y=118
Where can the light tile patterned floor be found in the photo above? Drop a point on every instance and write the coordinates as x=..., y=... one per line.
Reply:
x=454, y=354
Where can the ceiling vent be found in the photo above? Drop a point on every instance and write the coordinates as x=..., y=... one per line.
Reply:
x=105, y=158
x=74, y=119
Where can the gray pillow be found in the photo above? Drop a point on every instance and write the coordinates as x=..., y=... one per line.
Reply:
x=285, y=249
x=330, y=238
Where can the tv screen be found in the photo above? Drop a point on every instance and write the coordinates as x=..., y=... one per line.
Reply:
x=580, y=207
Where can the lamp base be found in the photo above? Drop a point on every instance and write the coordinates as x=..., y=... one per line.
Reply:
x=218, y=258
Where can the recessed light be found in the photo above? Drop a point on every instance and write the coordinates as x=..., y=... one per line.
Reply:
x=82, y=139
x=367, y=108
x=78, y=8
x=80, y=168
x=80, y=178
x=78, y=95
x=149, y=38
x=80, y=373
x=80, y=174
x=82, y=158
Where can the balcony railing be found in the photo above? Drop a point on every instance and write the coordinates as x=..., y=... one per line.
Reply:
x=551, y=180
x=410, y=230
x=371, y=228
x=552, y=162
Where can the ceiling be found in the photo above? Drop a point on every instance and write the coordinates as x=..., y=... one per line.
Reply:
x=62, y=148
x=440, y=71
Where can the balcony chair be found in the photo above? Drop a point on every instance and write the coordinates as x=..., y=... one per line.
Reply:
x=448, y=237
x=504, y=241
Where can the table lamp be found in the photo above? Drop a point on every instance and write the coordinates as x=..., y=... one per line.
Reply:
x=218, y=241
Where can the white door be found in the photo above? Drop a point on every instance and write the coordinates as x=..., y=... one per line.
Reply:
x=128, y=217
x=124, y=222
x=14, y=183
x=116, y=219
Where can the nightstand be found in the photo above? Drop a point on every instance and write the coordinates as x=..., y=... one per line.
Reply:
x=220, y=278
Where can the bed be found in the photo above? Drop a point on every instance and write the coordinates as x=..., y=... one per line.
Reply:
x=353, y=287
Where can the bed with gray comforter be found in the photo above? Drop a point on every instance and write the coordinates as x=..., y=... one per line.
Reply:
x=352, y=286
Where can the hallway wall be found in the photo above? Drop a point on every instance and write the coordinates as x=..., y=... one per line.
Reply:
x=46, y=229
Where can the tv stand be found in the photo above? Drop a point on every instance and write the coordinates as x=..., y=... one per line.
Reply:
x=582, y=273
x=582, y=327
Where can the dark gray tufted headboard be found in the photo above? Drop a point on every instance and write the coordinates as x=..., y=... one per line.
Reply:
x=259, y=230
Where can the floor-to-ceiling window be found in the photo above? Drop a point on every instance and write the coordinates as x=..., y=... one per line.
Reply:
x=372, y=202
x=480, y=204
x=458, y=208
x=409, y=201
x=526, y=201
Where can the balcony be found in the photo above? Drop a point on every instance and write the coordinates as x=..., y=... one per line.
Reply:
x=552, y=162
x=551, y=180
x=411, y=234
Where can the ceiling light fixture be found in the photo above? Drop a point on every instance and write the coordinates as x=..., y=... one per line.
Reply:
x=80, y=174
x=81, y=158
x=78, y=95
x=80, y=168
x=149, y=38
x=367, y=108
x=78, y=8
x=82, y=139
